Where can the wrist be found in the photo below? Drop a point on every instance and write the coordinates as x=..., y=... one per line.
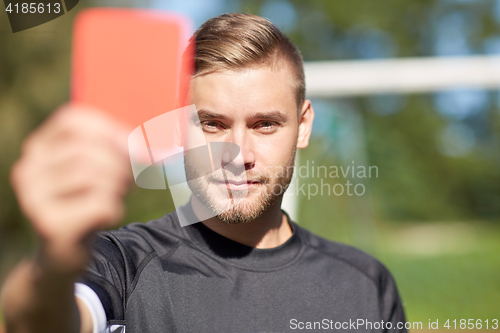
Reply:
x=63, y=258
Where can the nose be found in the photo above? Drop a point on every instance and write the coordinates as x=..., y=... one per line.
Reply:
x=245, y=160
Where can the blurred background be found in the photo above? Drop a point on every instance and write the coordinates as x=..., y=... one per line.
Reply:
x=432, y=214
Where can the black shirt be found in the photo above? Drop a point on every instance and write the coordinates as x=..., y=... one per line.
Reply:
x=161, y=277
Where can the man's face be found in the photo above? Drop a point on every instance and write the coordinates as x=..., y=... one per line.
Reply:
x=255, y=109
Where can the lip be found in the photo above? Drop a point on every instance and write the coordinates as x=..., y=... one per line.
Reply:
x=234, y=185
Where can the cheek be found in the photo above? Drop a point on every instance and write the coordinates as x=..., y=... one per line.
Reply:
x=193, y=137
x=276, y=152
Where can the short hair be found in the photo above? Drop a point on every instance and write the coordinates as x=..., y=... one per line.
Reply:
x=238, y=41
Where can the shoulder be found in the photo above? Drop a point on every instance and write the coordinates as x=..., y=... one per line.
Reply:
x=120, y=256
x=363, y=267
x=360, y=261
x=138, y=241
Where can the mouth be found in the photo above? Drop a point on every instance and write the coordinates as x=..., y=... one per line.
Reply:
x=237, y=185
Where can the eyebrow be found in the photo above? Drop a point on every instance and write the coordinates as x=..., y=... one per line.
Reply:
x=275, y=115
x=206, y=115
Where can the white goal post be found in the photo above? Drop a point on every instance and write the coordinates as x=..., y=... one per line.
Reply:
x=401, y=75
x=405, y=75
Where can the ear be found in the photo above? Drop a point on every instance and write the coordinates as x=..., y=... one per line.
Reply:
x=306, y=118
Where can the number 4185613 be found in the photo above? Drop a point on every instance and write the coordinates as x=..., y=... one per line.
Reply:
x=33, y=8
x=471, y=324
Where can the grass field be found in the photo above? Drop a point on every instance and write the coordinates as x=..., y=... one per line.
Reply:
x=445, y=271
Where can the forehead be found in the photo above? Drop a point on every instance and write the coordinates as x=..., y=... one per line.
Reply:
x=240, y=92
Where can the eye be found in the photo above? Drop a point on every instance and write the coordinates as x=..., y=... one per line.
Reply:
x=266, y=126
x=211, y=126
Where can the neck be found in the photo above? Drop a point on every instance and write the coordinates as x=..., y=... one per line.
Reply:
x=269, y=230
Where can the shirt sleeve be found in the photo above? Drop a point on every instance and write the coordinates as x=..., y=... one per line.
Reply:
x=390, y=304
x=107, y=275
x=94, y=305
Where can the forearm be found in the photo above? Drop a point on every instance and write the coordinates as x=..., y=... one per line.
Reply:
x=39, y=298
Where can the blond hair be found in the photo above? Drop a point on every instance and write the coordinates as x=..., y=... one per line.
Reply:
x=237, y=41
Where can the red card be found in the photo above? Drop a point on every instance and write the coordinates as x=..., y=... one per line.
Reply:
x=127, y=62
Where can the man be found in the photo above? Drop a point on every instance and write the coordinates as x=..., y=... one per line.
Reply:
x=248, y=268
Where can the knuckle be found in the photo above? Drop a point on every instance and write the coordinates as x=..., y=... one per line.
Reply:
x=29, y=143
x=82, y=179
x=18, y=173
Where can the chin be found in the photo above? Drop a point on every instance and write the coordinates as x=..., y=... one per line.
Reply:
x=241, y=213
x=245, y=210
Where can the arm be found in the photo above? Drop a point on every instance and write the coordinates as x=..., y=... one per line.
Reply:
x=40, y=300
x=70, y=181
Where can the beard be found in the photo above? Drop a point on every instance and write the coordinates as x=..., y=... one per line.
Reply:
x=242, y=206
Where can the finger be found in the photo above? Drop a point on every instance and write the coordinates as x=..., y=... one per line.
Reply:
x=76, y=217
x=82, y=123
x=98, y=161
